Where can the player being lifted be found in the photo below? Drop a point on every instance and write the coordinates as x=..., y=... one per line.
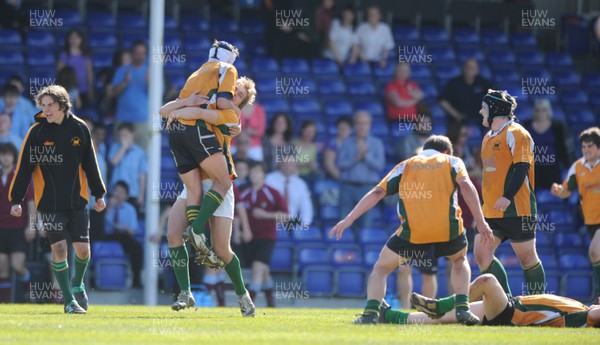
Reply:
x=222, y=219
x=509, y=204
x=427, y=187
x=584, y=176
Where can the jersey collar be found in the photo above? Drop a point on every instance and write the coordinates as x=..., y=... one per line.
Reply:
x=494, y=133
x=429, y=152
x=588, y=165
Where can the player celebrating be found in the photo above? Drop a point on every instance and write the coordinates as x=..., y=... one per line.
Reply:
x=498, y=309
x=58, y=151
x=509, y=204
x=222, y=219
x=584, y=175
x=428, y=209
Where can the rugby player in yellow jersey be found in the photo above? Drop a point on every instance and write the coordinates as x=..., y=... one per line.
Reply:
x=495, y=308
x=584, y=176
x=509, y=204
x=427, y=187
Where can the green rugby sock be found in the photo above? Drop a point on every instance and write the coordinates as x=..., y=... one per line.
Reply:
x=396, y=317
x=179, y=262
x=498, y=271
x=535, y=279
x=462, y=302
x=192, y=213
x=211, y=201
x=61, y=273
x=234, y=271
x=372, y=306
x=80, y=269
x=446, y=304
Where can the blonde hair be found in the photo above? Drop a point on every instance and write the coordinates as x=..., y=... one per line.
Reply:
x=250, y=87
x=58, y=93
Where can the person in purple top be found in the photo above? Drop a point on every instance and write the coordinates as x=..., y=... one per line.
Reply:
x=77, y=55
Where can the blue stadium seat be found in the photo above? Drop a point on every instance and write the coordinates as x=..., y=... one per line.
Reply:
x=70, y=18
x=309, y=106
x=494, y=37
x=404, y=33
x=372, y=107
x=581, y=114
x=173, y=41
x=544, y=197
x=370, y=256
x=420, y=72
x=194, y=23
x=132, y=21
x=325, y=67
x=295, y=66
x=573, y=96
x=530, y=58
x=318, y=281
x=516, y=281
x=463, y=36
x=523, y=38
x=386, y=72
x=442, y=54
x=466, y=53
x=9, y=38
x=130, y=37
x=359, y=69
x=335, y=109
x=102, y=40
x=543, y=239
x=429, y=90
x=262, y=65
x=312, y=256
x=509, y=260
x=574, y=262
x=223, y=25
x=561, y=217
x=506, y=75
x=329, y=212
x=577, y=285
x=107, y=249
x=11, y=58
x=40, y=58
x=558, y=59
x=330, y=87
x=40, y=39
x=568, y=241
x=347, y=237
x=498, y=56
x=447, y=72
x=98, y=20
x=111, y=274
x=372, y=236
x=351, y=283
x=252, y=26
x=276, y=104
x=435, y=34
x=282, y=259
x=360, y=87
x=590, y=80
x=312, y=234
x=549, y=261
x=566, y=78
x=346, y=256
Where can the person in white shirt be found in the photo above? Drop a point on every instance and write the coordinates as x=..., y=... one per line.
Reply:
x=293, y=189
x=374, y=38
x=342, y=37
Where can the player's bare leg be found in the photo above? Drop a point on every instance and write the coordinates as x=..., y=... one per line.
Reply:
x=405, y=285
x=594, y=255
x=486, y=286
x=460, y=278
x=176, y=225
x=488, y=263
x=535, y=277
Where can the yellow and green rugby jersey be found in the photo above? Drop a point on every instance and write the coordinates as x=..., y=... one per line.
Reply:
x=585, y=177
x=426, y=185
x=550, y=310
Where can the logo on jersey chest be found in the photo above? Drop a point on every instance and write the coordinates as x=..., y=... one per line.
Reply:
x=76, y=141
x=496, y=145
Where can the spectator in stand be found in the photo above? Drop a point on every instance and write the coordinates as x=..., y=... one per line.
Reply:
x=374, y=38
x=402, y=96
x=550, y=138
x=461, y=98
x=6, y=134
x=278, y=140
x=19, y=108
x=122, y=226
x=343, y=126
x=14, y=232
x=342, y=39
x=360, y=160
x=323, y=20
x=266, y=208
x=294, y=191
x=411, y=144
x=130, y=86
x=98, y=134
x=128, y=161
x=77, y=54
x=108, y=103
x=242, y=151
x=306, y=160
x=242, y=168
x=67, y=78
x=458, y=134
x=254, y=121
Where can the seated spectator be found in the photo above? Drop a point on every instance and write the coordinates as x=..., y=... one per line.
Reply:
x=242, y=146
x=343, y=126
x=420, y=130
x=19, y=108
x=266, y=209
x=402, y=96
x=306, y=154
x=295, y=192
x=128, y=161
x=277, y=140
x=360, y=160
x=122, y=226
x=342, y=39
x=242, y=170
x=6, y=135
x=67, y=78
x=374, y=39
x=461, y=98
x=550, y=138
x=77, y=55
x=253, y=119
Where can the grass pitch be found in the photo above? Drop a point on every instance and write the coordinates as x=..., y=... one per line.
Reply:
x=46, y=324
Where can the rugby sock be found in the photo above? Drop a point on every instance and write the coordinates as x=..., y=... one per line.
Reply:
x=220, y=292
x=596, y=269
x=535, y=278
x=25, y=281
x=462, y=302
x=498, y=271
x=372, y=306
x=192, y=213
x=61, y=273
x=446, y=304
x=234, y=271
x=268, y=289
x=80, y=268
x=210, y=203
x=396, y=317
x=5, y=290
x=179, y=262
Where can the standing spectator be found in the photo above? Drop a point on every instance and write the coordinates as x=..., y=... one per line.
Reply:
x=550, y=140
x=128, y=161
x=295, y=192
x=277, y=140
x=266, y=208
x=6, y=134
x=323, y=19
x=77, y=54
x=411, y=144
x=342, y=39
x=360, y=160
x=307, y=150
x=402, y=96
x=19, y=109
x=461, y=98
x=343, y=126
x=108, y=102
x=130, y=86
x=14, y=232
x=374, y=38
x=98, y=134
x=67, y=78
x=254, y=120
x=458, y=134
x=122, y=226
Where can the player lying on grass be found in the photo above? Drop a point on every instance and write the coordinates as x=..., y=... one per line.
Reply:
x=497, y=309
x=222, y=219
x=198, y=145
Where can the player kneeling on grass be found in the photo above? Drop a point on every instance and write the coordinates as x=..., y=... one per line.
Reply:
x=428, y=209
x=222, y=219
x=495, y=308
x=59, y=153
